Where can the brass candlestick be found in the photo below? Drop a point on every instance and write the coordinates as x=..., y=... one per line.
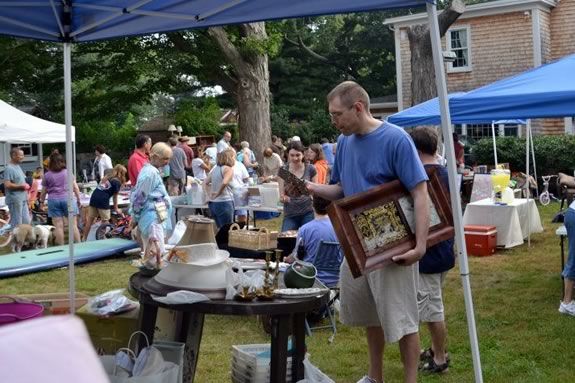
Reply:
x=267, y=291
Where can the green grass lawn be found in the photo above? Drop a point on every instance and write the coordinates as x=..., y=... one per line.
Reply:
x=516, y=295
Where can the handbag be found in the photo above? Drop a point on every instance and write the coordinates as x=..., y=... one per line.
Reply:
x=149, y=366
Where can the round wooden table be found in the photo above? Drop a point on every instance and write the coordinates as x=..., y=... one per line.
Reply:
x=190, y=321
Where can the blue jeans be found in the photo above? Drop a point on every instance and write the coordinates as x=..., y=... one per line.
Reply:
x=19, y=212
x=296, y=221
x=569, y=221
x=59, y=208
x=222, y=212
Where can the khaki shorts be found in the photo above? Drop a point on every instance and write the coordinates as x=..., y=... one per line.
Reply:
x=429, y=299
x=94, y=212
x=385, y=298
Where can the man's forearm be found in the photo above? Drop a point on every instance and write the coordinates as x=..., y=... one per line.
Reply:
x=328, y=192
x=421, y=209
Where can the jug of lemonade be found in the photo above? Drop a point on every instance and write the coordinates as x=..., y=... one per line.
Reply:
x=500, y=180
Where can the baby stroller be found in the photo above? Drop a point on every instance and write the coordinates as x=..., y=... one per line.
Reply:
x=118, y=227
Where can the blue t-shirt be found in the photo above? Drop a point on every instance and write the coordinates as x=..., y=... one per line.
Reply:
x=328, y=153
x=100, y=198
x=312, y=233
x=14, y=174
x=438, y=258
x=383, y=155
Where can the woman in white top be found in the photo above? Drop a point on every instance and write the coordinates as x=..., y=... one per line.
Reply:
x=102, y=163
x=218, y=186
x=200, y=166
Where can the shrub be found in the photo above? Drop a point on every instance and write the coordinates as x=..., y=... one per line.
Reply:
x=553, y=154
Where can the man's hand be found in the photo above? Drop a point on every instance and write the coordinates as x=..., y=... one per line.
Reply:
x=409, y=257
x=26, y=187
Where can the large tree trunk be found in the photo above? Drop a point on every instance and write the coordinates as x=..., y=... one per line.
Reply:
x=251, y=92
x=422, y=69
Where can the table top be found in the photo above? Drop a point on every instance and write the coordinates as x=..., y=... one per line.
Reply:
x=489, y=202
x=230, y=307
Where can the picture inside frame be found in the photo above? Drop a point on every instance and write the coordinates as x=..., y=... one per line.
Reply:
x=380, y=227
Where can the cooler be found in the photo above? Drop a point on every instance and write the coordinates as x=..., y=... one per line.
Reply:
x=480, y=240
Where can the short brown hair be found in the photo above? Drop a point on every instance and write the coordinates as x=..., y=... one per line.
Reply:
x=349, y=92
x=226, y=158
x=56, y=162
x=320, y=205
x=425, y=139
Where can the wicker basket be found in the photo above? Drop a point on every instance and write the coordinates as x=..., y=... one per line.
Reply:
x=260, y=239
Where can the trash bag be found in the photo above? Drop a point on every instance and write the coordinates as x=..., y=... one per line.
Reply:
x=312, y=374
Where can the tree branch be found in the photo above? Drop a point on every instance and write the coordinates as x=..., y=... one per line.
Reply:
x=349, y=72
x=228, y=49
x=450, y=15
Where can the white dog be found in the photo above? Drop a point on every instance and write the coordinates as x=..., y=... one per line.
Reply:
x=23, y=235
x=44, y=234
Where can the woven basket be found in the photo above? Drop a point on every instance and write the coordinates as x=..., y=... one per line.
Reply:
x=260, y=239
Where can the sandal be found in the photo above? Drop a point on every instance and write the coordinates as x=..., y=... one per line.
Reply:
x=434, y=368
x=428, y=354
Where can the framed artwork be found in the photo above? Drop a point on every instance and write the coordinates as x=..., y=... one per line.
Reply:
x=378, y=224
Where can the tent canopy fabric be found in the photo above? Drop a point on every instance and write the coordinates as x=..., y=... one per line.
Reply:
x=544, y=92
x=91, y=20
x=19, y=127
x=427, y=113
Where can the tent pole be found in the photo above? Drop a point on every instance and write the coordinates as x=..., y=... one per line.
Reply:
x=454, y=195
x=494, y=143
x=533, y=158
x=69, y=163
x=527, y=139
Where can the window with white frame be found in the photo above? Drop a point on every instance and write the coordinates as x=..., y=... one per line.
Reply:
x=459, y=42
x=30, y=150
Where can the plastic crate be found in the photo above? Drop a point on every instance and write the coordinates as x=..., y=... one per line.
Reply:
x=56, y=303
x=251, y=363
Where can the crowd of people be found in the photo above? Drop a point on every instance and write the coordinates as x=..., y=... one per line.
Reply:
x=389, y=302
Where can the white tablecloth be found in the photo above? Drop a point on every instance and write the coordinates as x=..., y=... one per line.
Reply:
x=511, y=220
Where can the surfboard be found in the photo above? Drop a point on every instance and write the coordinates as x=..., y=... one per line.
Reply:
x=29, y=261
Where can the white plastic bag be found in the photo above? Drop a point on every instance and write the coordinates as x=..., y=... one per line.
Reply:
x=312, y=374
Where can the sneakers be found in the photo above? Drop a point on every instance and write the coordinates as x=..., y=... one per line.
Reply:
x=567, y=308
x=367, y=379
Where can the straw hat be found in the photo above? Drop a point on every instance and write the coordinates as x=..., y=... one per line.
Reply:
x=183, y=139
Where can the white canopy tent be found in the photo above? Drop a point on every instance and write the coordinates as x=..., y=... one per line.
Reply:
x=18, y=127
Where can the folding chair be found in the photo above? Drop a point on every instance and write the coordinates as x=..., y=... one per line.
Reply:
x=327, y=261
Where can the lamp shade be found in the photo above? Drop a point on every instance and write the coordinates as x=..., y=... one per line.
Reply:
x=172, y=128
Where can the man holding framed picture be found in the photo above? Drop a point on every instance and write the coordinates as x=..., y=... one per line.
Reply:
x=371, y=153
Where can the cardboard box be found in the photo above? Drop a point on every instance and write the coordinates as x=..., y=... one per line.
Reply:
x=108, y=334
x=480, y=240
x=56, y=303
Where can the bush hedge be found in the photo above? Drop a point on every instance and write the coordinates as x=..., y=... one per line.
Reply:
x=553, y=154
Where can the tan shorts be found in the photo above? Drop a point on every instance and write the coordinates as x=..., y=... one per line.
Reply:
x=385, y=298
x=94, y=212
x=429, y=299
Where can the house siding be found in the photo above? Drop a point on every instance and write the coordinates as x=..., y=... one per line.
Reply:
x=563, y=29
x=495, y=53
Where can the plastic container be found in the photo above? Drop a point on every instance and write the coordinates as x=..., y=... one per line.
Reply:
x=251, y=363
x=480, y=240
x=16, y=311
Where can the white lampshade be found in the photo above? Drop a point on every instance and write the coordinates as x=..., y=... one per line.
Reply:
x=172, y=128
x=179, y=128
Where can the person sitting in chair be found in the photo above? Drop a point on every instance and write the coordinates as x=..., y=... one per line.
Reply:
x=309, y=237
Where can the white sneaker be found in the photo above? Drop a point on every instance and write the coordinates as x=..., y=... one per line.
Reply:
x=567, y=308
x=366, y=379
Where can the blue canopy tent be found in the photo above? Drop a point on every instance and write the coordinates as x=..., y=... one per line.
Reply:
x=543, y=92
x=70, y=21
x=427, y=113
